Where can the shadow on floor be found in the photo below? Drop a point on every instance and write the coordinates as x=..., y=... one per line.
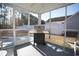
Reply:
x=55, y=50
x=20, y=46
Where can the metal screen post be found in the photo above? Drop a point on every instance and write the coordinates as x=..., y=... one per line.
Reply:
x=14, y=30
x=39, y=18
x=65, y=27
x=28, y=18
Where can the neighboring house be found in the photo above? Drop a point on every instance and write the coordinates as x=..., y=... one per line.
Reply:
x=73, y=25
x=56, y=26
x=73, y=22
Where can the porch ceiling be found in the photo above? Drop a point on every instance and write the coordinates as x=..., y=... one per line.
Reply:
x=37, y=7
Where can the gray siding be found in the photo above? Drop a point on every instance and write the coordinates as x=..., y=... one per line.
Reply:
x=73, y=22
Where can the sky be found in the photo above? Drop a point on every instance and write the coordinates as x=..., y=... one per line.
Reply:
x=72, y=9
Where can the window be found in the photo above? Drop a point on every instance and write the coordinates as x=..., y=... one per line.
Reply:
x=45, y=17
x=73, y=22
x=21, y=19
x=57, y=21
x=72, y=26
x=33, y=19
x=58, y=13
x=56, y=26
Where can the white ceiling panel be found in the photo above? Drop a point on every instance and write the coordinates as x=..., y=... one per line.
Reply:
x=37, y=7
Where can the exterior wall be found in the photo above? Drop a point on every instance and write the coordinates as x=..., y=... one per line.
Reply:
x=58, y=27
x=73, y=22
x=55, y=27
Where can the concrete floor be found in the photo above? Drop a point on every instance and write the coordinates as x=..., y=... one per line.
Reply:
x=28, y=51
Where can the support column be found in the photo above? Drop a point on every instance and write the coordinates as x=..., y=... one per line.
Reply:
x=28, y=23
x=50, y=16
x=39, y=19
x=28, y=19
x=65, y=27
x=14, y=30
x=50, y=25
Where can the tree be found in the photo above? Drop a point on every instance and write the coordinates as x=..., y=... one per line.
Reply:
x=24, y=18
x=33, y=20
x=3, y=14
x=42, y=22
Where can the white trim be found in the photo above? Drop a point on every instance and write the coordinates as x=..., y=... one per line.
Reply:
x=14, y=31
x=50, y=16
x=39, y=1
x=28, y=18
x=65, y=26
x=50, y=23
